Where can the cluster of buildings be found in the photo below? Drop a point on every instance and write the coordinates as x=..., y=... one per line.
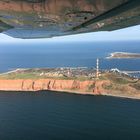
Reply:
x=70, y=72
x=73, y=72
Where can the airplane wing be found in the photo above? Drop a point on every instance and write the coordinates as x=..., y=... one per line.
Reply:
x=49, y=18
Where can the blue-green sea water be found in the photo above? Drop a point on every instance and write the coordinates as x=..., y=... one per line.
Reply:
x=14, y=56
x=62, y=116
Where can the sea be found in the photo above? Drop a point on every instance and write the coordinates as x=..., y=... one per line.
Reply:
x=46, y=115
x=52, y=55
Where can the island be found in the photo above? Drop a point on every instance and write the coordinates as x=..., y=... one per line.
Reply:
x=124, y=55
x=72, y=80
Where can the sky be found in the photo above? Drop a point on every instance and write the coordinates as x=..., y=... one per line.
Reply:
x=126, y=34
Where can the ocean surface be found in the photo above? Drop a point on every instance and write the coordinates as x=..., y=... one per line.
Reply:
x=48, y=115
x=42, y=55
x=62, y=116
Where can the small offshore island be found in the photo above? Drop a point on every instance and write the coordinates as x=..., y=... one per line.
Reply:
x=124, y=55
x=72, y=80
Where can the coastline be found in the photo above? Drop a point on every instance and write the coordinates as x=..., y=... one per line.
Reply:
x=122, y=96
x=109, y=83
x=102, y=94
x=82, y=93
x=123, y=55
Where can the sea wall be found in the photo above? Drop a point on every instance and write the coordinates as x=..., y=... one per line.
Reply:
x=84, y=87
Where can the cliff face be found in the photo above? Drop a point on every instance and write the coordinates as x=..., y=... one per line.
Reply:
x=100, y=87
x=51, y=84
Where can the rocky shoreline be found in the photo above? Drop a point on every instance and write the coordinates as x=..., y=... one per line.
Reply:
x=83, y=87
x=78, y=81
x=69, y=86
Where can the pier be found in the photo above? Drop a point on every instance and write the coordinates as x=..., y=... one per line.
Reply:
x=130, y=72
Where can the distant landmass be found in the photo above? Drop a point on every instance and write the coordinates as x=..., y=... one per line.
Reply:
x=123, y=55
x=71, y=80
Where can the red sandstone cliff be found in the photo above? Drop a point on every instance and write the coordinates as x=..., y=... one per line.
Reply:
x=101, y=87
x=52, y=84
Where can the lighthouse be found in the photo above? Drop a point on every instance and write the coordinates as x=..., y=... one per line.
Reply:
x=97, y=69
